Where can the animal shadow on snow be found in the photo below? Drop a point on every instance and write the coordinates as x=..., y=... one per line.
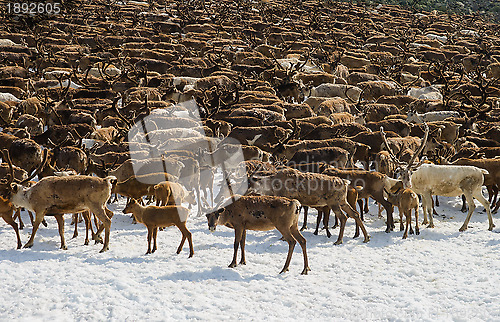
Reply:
x=214, y=273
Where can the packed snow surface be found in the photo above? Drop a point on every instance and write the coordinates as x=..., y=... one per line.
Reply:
x=439, y=275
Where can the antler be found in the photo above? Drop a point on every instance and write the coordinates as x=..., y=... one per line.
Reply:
x=420, y=149
x=391, y=153
x=6, y=156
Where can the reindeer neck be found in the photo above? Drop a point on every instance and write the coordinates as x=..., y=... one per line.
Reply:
x=138, y=212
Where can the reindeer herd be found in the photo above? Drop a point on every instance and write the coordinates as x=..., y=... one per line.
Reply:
x=331, y=104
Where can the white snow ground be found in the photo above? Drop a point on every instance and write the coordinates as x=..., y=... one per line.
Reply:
x=439, y=275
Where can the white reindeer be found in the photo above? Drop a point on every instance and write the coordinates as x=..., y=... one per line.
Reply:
x=442, y=180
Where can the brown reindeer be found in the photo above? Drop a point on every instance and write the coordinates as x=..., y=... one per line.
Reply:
x=261, y=213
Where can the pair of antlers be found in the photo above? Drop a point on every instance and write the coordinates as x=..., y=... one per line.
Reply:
x=11, y=179
x=409, y=165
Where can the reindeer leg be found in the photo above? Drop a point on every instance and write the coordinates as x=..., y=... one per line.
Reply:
x=238, y=234
x=434, y=213
x=318, y=220
x=479, y=196
x=242, y=246
x=155, y=232
x=464, y=205
x=75, y=220
x=427, y=200
x=36, y=223
x=495, y=194
x=150, y=236
x=88, y=225
x=9, y=220
x=342, y=218
x=472, y=206
x=379, y=197
x=44, y=223
x=285, y=231
x=99, y=211
x=361, y=210
x=185, y=234
x=302, y=242
x=60, y=224
x=304, y=225
x=417, y=230
x=496, y=207
x=18, y=215
x=326, y=219
x=354, y=214
x=335, y=223
x=408, y=223
x=401, y=225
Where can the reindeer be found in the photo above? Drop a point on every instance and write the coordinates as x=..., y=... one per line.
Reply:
x=442, y=180
x=59, y=195
x=313, y=190
x=261, y=213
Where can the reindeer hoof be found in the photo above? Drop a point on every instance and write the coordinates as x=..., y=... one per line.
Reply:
x=430, y=226
x=64, y=247
x=367, y=239
x=305, y=270
x=284, y=270
x=28, y=246
x=338, y=242
x=463, y=228
x=303, y=228
x=243, y=263
x=190, y=255
x=232, y=265
x=491, y=227
x=104, y=249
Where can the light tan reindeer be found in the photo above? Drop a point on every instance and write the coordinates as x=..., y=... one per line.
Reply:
x=154, y=217
x=59, y=195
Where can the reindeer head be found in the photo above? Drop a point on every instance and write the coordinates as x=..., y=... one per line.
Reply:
x=213, y=219
x=413, y=117
x=129, y=208
x=404, y=169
